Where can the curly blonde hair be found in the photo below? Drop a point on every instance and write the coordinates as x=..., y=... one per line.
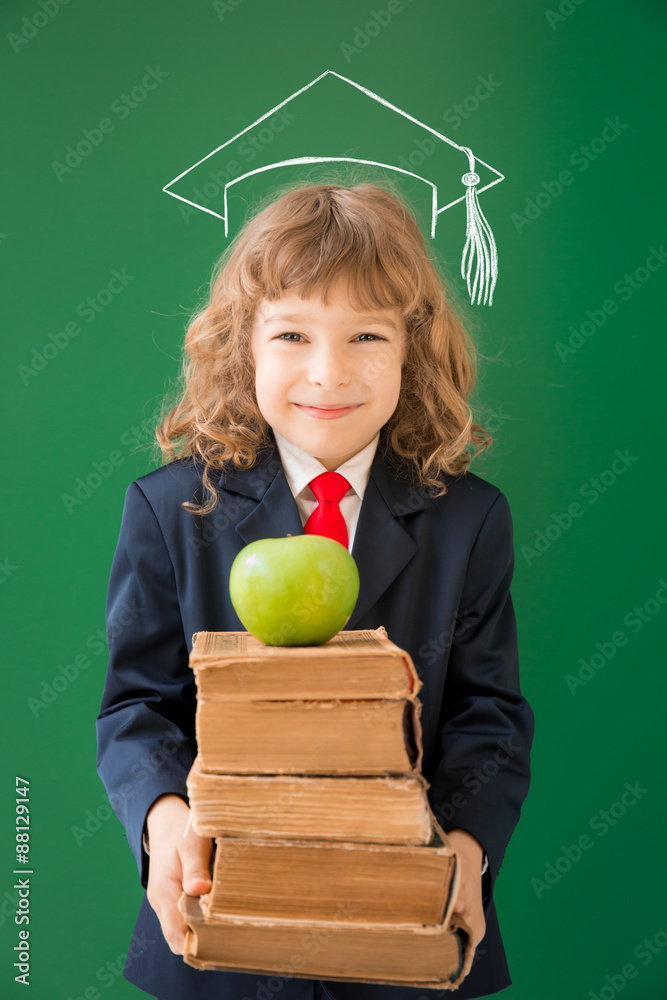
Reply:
x=306, y=240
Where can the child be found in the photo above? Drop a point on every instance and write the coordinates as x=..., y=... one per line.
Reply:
x=327, y=298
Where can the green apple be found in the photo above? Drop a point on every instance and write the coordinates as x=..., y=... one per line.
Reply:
x=294, y=591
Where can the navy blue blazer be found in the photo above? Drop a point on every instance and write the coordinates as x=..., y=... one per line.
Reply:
x=435, y=572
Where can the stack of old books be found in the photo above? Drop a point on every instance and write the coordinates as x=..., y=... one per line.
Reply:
x=328, y=860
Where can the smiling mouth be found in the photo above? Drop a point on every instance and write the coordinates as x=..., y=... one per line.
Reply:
x=327, y=412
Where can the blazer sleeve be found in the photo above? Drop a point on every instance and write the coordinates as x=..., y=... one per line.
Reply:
x=145, y=728
x=486, y=726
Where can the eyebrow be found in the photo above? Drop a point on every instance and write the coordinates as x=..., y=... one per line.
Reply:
x=361, y=319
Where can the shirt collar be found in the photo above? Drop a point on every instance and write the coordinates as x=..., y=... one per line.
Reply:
x=300, y=467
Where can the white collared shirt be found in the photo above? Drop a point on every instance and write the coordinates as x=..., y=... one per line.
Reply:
x=300, y=468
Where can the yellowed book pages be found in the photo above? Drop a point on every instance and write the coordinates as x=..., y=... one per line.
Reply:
x=312, y=879
x=361, y=663
x=309, y=737
x=432, y=956
x=388, y=809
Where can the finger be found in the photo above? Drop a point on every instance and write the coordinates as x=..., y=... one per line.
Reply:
x=164, y=891
x=174, y=930
x=176, y=941
x=471, y=940
x=467, y=965
x=197, y=881
x=171, y=920
x=196, y=860
x=471, y=957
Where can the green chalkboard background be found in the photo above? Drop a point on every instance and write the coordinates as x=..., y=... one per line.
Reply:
x=576, y=345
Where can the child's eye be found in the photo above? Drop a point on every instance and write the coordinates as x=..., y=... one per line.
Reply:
x=281, y=335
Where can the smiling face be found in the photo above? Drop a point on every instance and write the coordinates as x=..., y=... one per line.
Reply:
x=308, y=355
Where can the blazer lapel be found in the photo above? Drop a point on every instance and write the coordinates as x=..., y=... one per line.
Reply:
x=382, y=547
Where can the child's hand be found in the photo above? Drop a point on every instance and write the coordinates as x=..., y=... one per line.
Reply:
x=177, y=863
x=469, y=899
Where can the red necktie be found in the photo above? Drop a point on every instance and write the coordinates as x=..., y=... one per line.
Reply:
x=326, y=519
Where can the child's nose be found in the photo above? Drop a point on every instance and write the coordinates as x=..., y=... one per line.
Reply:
x=330, y=369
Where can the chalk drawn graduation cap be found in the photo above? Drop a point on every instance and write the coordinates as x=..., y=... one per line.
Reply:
x=332, y=120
